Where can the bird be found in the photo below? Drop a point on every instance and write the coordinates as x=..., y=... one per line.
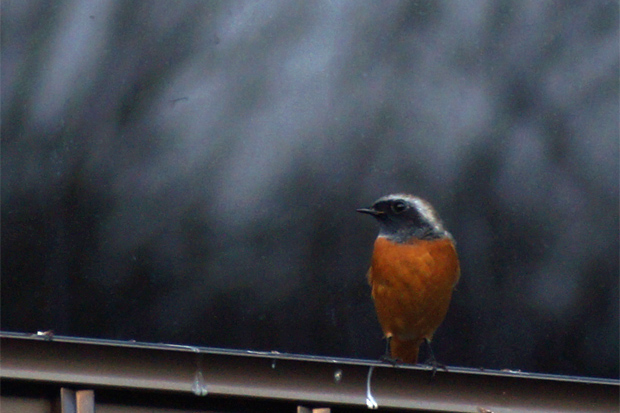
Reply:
x=414, y=269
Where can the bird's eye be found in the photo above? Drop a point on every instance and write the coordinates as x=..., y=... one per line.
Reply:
x=398, y=207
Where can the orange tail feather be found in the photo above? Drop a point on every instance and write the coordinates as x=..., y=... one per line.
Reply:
x=405, y=351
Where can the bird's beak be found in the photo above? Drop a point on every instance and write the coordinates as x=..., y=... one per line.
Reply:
x=370, y=211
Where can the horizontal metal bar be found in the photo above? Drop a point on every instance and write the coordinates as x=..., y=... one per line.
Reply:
x=305, y=379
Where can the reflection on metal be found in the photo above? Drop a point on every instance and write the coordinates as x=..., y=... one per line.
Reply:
x=128, y=369
x=302, y=409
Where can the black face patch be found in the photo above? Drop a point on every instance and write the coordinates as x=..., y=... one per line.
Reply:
x=393, y=206
x=400, y=220
x=400, y=212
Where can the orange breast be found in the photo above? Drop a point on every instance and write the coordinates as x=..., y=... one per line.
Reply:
x=412, y=285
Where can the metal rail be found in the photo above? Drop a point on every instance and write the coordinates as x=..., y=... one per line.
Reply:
x=303, y=379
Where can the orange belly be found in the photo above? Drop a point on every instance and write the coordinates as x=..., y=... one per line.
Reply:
x=412, y=286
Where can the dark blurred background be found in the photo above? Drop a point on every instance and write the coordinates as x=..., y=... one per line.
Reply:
x=188, y=171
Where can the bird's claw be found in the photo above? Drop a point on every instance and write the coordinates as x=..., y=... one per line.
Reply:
x=388, y=359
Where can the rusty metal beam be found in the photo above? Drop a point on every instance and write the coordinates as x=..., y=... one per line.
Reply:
x=304, y=379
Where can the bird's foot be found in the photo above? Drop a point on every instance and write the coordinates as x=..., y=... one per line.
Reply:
x=391, y=360
x=435, y=365
x=432, y=361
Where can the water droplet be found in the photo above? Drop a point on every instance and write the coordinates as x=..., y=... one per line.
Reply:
x=371, y=403
x=199, y=387
x=338, y=375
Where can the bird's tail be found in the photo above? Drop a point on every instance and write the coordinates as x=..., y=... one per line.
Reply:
x=405, y=351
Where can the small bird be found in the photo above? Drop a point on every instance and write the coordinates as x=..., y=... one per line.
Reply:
x=414, y=268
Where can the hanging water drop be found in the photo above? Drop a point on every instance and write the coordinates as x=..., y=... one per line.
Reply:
x=199, y=387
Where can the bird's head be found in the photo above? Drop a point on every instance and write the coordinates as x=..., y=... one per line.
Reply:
x=403, y=217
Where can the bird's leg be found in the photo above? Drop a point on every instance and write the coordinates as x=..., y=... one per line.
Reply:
x=432, y=361
x=387, y=346
x=387, y=357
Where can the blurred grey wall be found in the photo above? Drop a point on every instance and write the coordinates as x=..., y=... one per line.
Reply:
x=188, y=171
